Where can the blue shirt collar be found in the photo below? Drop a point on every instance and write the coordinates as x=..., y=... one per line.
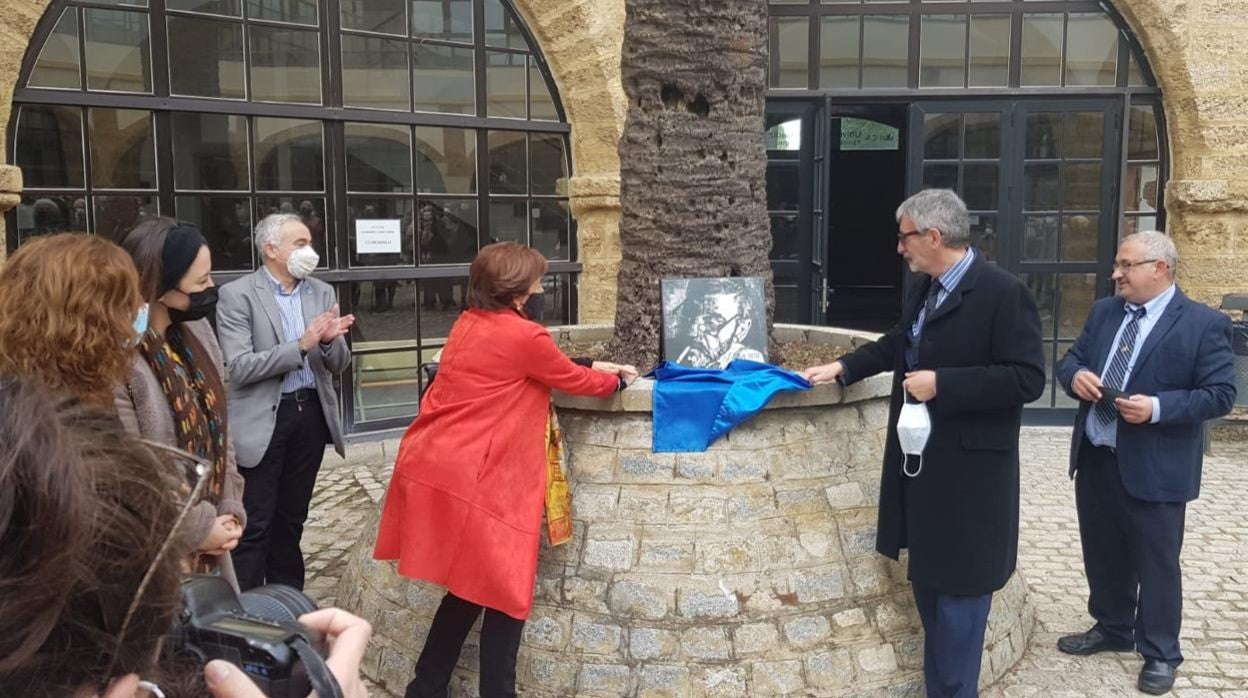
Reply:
x=954, y=274
x=1154, y=307
x=277, y=285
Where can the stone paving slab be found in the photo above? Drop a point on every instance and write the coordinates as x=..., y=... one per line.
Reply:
x=1215, y=568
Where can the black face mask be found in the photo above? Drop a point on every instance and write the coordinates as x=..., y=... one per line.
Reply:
x=203, y=304
x=534, y=306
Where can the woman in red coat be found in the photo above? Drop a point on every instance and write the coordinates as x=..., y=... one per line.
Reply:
x=464, y=508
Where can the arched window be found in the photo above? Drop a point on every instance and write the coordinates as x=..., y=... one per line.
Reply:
x=1043, y=115
x=406, y=133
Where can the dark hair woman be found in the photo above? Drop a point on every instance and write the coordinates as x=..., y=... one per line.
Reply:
x=175, y=393
x=464, y=508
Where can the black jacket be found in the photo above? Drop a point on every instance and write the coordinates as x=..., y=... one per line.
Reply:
x=959, y=517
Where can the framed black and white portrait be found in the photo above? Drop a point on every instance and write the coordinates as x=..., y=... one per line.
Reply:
x=709, y=322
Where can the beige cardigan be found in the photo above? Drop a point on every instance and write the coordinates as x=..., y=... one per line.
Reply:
x=144, y=411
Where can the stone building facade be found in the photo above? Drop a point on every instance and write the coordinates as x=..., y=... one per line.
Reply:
x=1194, y=49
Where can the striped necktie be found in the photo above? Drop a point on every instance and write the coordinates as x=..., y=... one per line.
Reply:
x=1106, y=413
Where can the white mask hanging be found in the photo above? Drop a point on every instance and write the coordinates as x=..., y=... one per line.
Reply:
x=914, y=426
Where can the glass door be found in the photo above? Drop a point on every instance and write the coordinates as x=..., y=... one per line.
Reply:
x=791, y=175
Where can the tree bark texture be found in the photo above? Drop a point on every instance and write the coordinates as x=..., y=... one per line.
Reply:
x=692, y=158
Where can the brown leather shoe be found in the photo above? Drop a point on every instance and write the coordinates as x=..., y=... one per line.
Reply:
x=1093, y=641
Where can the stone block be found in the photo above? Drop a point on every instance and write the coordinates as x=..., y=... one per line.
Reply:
x=663, y=554
x=706, y=642
x=755, y=638
x=594, y=637
x=830, y=669
x=694, y=509
x=652, y=643
x=857, y=528
x=717, y=681
x=870, y=576
x=696, y=466
x=707, y=603
x=585, y=594
x=807, y=500
x=777, y=678
x=642, y=599
x=819, y=584
x=611, y=553
x=663, y=681
x=805, y=632
x=850, y=618
x=725, y=557
x=646, y=467
x=593, y=502
x=846, y=496
x=551, y=671
x=603, y=679
x=749, y=507
x=642, y=504
x=589, y=463
x=877, y=661
x=740, y=467
x=548, y=628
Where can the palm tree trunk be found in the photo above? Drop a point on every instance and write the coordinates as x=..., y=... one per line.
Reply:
x=693, y=161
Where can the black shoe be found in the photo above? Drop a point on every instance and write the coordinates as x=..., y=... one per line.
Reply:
x=1092, y=642
x=1156, y=677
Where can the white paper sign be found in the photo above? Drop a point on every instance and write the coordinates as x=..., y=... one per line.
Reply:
x=378, y=236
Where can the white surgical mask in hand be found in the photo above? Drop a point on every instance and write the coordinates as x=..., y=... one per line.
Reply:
x=302, y=261
x=914, y=426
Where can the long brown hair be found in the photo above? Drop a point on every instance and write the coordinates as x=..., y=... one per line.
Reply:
x=69, y=305
x=501, y=272
x=84, y=510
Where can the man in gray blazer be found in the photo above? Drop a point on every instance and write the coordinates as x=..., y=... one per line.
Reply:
x=283, y=342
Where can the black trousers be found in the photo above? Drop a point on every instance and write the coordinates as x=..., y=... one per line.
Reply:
x=953, y=642
x=1131, y=557
x=500, y=642
x=277, y=495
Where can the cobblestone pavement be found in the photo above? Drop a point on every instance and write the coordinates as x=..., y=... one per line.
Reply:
x=1215, y=568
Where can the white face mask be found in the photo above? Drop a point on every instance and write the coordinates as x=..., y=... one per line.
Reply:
x=302, y=261
x=914, y=426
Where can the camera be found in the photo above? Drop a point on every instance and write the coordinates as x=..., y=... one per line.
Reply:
x=257, y=631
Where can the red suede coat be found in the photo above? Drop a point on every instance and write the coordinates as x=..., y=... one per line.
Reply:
x=465, y=503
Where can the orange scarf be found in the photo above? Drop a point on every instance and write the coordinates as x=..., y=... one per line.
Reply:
x=558, y=496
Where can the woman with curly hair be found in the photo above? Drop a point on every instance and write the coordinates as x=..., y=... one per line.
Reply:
x=175, y=391
x=70, y=302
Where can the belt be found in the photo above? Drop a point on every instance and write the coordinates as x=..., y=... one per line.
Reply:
x=300, y=395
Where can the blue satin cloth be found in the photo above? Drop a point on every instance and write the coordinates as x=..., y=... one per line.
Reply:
x=694, y=406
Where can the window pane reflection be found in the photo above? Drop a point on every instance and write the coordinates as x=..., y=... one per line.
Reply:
x=508, y=162
x=49, y=146
x=446, y=230
x=990, y=51
x=382, y=16
x=206, y=58
x=374, y=73
x=1040, y=239
x=1079, y=238
x=541, y=104
x=551, y=223
x=789, y=41
x=294, y=11
x=58, y=63
x=446, y=160
x=885, y=47
x=123, y=149
x=45, y=213
x=117, y=215
x=371, y=227
x=1139, y=189
x=226, y=224
x=387, y=385
x=838, y=52
x=229, y=8
x=1091, y=49
x=500, y=28
x=509, y=220
x=285, y=65
x=942, y=54
x=288, y=155
x=1142, y=133
x=117, y=55
x=1042, y=49
x=443, y=79
x=379, y=157
x=210, y=151
x=505, y=84
x=385, y=312
x=448, y=20
x=548, y=164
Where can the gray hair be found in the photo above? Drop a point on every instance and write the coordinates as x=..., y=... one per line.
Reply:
x=1157, y=245
x=269, y=229
x=940, y=209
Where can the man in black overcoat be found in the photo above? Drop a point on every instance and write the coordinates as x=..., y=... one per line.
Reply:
x=968, y=348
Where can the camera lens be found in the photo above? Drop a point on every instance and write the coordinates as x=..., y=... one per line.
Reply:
x=276, y=602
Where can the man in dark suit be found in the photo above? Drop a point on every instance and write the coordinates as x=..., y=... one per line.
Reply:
x=968, y=348
x=1149, y=368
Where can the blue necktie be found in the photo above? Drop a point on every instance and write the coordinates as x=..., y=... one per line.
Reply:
x=916, y=329
x=1106, y=413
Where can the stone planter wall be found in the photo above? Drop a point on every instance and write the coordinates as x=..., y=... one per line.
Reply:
x=746, y=570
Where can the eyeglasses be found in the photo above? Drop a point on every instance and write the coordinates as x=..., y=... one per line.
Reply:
x=1126, y=266
x=188, y=475
x=907, y=233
